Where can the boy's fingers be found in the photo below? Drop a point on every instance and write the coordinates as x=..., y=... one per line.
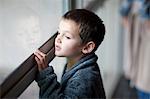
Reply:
x=41, y=59
x=39, y=56
x=39, y=64
x=41, y=53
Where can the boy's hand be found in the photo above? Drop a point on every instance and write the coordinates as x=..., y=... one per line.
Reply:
x=40, y=58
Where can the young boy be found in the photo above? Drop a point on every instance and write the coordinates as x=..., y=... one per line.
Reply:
x=80, y=32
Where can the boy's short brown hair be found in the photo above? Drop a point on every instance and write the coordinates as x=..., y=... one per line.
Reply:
x=91, y=26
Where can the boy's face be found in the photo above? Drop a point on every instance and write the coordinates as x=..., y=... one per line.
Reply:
x=68, y=42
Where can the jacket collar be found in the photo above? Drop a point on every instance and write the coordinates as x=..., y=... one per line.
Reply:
x=82, y=63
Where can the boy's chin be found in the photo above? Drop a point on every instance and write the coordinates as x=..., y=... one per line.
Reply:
x=59, y=55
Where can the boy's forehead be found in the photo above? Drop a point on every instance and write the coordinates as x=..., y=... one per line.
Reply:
x=69, y=26
x=66, y=24
x=68, y=21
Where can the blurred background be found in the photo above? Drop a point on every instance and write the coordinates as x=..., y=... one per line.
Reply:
x=124, y=56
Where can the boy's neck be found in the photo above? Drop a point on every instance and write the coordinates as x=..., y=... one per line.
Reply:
x=72, y=61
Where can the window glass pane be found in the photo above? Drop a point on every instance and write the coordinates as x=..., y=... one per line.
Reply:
x=24, y=26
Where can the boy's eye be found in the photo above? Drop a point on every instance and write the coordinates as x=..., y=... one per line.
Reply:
x=67, y=37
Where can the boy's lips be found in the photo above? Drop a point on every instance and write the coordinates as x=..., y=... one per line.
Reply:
x=57, y=47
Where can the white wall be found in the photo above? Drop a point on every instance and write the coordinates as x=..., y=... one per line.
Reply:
x=24, y=26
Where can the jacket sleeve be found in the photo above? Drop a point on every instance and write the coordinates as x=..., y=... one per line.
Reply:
x=47, y=82
x=50, y=88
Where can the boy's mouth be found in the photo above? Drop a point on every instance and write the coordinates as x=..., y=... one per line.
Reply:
x=57, y=47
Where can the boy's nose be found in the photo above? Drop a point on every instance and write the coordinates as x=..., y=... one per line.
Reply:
x=58, y=39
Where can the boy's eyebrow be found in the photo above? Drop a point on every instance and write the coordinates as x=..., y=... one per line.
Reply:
x=64, y=31
x=68, y=32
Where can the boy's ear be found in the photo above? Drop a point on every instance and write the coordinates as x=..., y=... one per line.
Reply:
x=88, y=48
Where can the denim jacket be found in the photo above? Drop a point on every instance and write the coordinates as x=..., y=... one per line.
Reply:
x=83, y=80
